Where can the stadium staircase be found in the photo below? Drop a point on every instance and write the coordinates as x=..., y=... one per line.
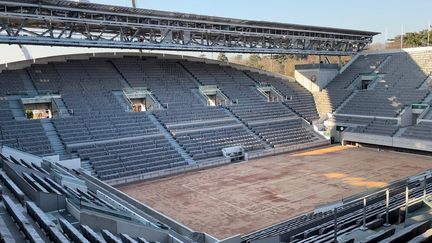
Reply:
x=17, y=109
x=190, y=74
x=427, y=99
x=346, y=101
x=64, y=112
x=171, y=140
x=426, y=83
x=266, y=144
x=86, y=165
x=28, y=83
x=123, y=80
x=53, y=138
x=400, y=132
x=122, y=100
x=323, y=102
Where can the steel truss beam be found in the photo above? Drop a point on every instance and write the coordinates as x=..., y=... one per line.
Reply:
x=44, y=23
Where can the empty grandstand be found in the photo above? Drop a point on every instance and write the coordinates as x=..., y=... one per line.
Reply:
x=93, y=115
x=160, y=126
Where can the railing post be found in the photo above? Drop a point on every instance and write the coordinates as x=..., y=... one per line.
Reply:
x=387, y=223
x=363, y=227
x=335, y=225
x=406, y=204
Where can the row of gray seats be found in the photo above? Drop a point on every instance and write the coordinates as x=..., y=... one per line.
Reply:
x=22, y=135
x=132, y=157
x=299, y=99
x=209, y=143
x=385, y=127
x=423, y=131
x=284, y=133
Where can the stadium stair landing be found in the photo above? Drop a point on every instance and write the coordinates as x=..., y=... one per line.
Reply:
x=171, y=140
x=53, y=138
x=85, y=165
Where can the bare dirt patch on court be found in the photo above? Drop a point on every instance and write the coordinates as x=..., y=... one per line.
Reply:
x=242, y=198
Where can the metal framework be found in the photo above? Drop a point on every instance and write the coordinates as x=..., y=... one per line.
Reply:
x=66, y=23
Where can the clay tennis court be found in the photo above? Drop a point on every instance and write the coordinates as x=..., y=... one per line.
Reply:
x=241, y=198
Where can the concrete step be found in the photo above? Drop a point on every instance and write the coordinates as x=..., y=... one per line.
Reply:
x=86, y=165
x=428, y=116
x=266, y=144
x=28, y=82
x=172, y=140
x=17, y=109
x=400, y=132
x=323, y=103
x=346, y=101
x=190, y=74
x=428, y=99
x=63, y=110
x=53, y=137
x=120, y=97
x=123, y=79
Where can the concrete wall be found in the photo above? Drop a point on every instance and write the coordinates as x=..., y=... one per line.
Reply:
x=271, y=239
x=17, y=154
x=116, y=226
x=46, y=201
x=138, y=207
x=406, y=117
x=397, y=142
x=233, y=239
x=323, y=77
x=367, y=138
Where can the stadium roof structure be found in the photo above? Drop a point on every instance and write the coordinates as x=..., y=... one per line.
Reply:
x=67, y=23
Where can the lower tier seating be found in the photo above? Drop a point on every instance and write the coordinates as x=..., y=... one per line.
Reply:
x=23, y=134
x=423, y=130
x=209, y=143
x=127, y=158
x=284, y=133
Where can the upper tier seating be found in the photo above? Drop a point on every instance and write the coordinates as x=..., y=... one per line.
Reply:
x=249, y=105
x=337, y=88
x=382, y=103
x=172, y=87
x=402, y=75
x=299, y=99
x=11, y=83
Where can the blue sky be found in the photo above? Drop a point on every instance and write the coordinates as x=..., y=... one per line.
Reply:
x=373, y=15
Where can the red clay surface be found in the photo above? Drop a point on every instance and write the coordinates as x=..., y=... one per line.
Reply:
x=242, y=198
